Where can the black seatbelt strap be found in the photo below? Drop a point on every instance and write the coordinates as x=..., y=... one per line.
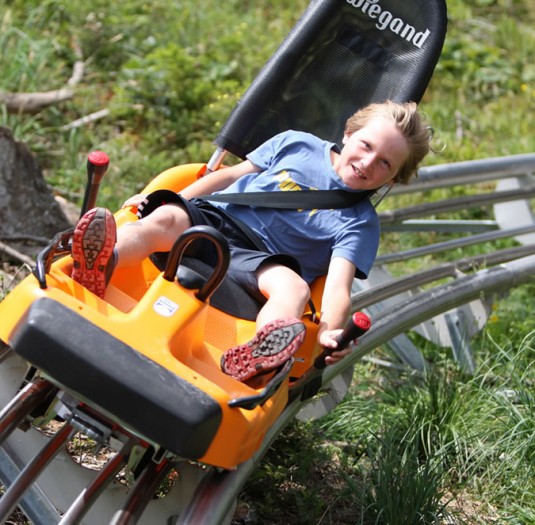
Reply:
x=309, y=199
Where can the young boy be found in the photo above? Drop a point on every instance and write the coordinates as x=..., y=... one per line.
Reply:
x=382, y=144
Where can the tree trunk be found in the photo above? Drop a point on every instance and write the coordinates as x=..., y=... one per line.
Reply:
x=27, y=207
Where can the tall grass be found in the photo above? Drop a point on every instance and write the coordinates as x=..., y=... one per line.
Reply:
x=464, y=439
x=399, y=487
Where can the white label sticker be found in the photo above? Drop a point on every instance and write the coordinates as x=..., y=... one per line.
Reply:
x=165, y=307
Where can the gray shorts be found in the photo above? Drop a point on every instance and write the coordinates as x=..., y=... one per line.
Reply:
x=247, y=251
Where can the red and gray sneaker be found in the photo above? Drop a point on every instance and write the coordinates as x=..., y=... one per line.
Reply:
x=92, y=250
x=272, y=346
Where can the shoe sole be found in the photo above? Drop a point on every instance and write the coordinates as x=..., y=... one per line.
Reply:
x=272, y=346
x=92, y=247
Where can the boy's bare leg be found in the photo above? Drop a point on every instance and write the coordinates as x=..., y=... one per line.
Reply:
x=155, y=233
x=280, y=332
x=287, y=293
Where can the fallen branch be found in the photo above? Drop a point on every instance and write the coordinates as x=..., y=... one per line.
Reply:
x=32, y=103
x=17, y=255
x=87, y=119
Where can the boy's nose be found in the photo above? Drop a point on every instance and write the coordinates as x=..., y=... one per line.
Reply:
x=368, y=161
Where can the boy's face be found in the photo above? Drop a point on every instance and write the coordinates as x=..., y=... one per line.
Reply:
x=371, y=156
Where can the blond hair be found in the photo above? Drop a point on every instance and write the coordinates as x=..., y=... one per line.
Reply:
x=410, y=124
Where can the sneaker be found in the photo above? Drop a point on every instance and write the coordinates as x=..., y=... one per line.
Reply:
x=92, y=250
x=272, y=346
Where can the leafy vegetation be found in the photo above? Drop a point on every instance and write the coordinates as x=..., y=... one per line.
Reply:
x=168, y=73
x=443, y=448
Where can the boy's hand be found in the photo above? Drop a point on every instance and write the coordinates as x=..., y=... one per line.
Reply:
x=337, y=356
x=134, y=201
x=336, y=343
x=327, y=339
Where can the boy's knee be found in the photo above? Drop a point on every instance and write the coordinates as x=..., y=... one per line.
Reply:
x=296, y=286
x=170, y=218
x=280, y=280
x=302, y=288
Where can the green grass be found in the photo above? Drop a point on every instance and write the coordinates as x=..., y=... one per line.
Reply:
x=168, y=72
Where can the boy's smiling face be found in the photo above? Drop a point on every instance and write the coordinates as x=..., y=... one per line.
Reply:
x=371, y=156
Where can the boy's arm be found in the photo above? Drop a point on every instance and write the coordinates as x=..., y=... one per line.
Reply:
x=218, y=180
x=336, y=305
x=215, y=181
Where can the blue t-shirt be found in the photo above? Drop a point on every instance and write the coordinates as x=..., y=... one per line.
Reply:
x=298, y=161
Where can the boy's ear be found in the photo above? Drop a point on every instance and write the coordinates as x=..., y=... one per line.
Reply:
x=346, y=137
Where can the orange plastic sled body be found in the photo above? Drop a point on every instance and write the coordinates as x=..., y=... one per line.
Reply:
x=147, y=355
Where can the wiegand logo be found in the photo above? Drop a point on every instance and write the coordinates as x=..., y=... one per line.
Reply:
x=386, y=21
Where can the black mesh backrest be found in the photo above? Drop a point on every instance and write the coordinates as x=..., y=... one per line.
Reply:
x=340, y=56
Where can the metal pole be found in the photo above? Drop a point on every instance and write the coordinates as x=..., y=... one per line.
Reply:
x=455, y=243
x=31, y=471
x=22, y=404
x=88, y=496
x=468, y=172
x=147, y=483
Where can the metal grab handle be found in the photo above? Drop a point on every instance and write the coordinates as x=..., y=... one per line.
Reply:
x=223, y=257
x=59, y=245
